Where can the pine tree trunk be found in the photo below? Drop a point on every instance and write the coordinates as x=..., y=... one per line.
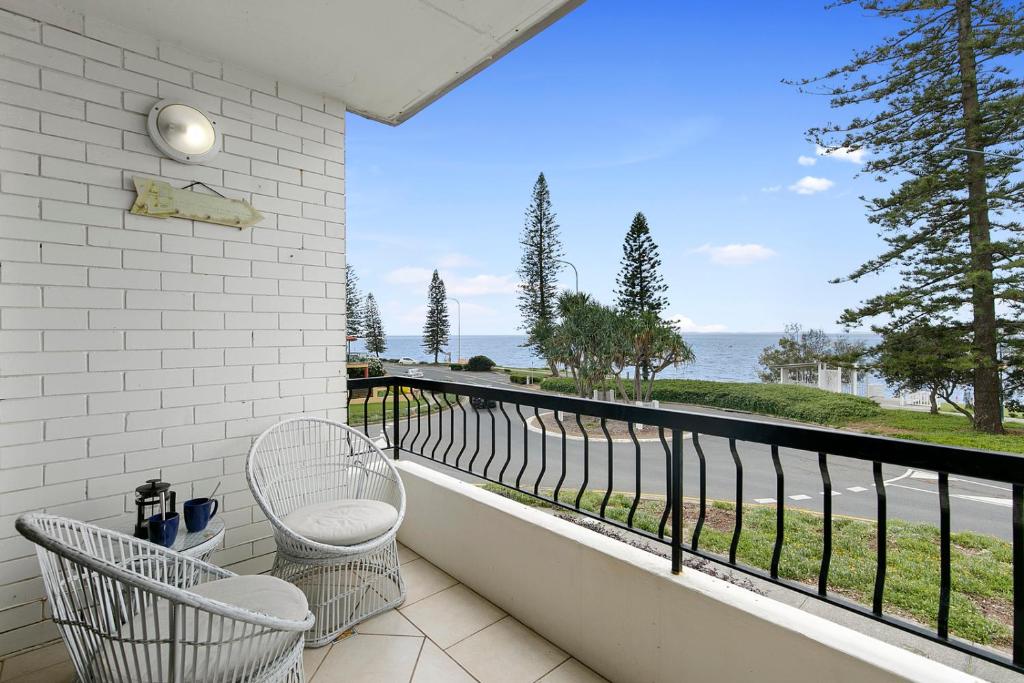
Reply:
x=986, y=371
x=934, y=404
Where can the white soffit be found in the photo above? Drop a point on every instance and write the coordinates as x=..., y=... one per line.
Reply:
x=385, y=59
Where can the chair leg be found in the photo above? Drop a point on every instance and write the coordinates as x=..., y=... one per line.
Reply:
x=344, y=593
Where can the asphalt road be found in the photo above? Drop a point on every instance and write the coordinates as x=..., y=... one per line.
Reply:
x=911, y=495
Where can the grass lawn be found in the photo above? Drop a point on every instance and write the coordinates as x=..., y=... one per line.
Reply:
x=981, y=605
x=951, y=430
x=374, y=410
x=540, y=372
x=816, y=406
x=807, y=404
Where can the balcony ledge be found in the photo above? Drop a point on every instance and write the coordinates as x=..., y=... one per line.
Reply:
x=620, y=611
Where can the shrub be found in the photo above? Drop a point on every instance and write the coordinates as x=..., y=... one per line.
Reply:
x=479, y=364
x=456, y=366
x=807, y=404
x=376, y=368
x=526, y=379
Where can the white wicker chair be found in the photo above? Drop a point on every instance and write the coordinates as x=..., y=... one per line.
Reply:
x=126, y=610
x=308, y=461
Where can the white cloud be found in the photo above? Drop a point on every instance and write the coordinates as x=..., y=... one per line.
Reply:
x=771, y=188
x=806, y=160
x=736, y=254
x=409, y=275
x=811, y=185
x=854, y=156
x=684, y=324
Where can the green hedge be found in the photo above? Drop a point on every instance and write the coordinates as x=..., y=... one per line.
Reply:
x=782, y=400
x=529, y=379
x=479, y=364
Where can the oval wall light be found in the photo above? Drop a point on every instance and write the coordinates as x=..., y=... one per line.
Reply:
x=183, y=132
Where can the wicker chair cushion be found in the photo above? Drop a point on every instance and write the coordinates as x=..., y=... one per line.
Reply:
x=260, y=593
x=342, y=522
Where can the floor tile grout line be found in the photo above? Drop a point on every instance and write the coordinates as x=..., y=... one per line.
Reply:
x=456, y=585
x=419, y=654
x=457, y=662
x=567, y=658
x=414, y=602
x=504, y=616
x=424, y=637
x=457, y=582
x=311, y=676
x=409, y=604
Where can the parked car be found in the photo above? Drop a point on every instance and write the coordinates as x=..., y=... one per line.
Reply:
x=405, y=360
x=480, y=403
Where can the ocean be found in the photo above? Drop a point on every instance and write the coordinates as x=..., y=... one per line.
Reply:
x=727, y=357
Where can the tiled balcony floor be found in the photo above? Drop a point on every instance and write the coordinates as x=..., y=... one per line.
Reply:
x=443, y=633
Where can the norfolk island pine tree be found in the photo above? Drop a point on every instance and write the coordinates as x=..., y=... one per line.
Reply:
x=937, y=95
x=376, y=341
x=538, y=271
x=437, y=326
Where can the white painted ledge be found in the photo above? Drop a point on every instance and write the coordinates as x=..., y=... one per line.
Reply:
x=620, y=610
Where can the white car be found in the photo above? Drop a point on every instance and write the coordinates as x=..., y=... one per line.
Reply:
x=405, y=360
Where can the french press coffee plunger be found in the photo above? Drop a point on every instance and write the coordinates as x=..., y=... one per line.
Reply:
x=155, y=497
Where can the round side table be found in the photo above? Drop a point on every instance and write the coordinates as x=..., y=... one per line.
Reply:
x=199, y=545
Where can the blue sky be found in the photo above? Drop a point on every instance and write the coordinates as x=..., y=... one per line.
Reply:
x=674, y=109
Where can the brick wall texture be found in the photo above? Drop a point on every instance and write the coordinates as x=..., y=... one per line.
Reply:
x=134, y=347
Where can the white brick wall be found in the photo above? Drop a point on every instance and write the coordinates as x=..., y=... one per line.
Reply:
x=133, y=347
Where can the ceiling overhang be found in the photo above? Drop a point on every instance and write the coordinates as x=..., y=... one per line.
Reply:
x=385, y=59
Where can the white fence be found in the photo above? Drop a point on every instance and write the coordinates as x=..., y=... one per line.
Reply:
x=915, y=398
x=823, y=376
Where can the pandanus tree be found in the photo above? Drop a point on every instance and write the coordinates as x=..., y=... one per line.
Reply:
x=583, y=339
x=646, y=341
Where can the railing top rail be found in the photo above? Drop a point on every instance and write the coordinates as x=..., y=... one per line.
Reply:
x=992, y=465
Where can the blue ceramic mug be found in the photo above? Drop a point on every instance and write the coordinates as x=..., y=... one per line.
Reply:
x=163, y=529
x=199, y=512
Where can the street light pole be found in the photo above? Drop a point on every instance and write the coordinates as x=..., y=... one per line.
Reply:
x=458, y=328
x=575, y=272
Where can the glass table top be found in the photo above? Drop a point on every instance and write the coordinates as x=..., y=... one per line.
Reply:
x=186, y=540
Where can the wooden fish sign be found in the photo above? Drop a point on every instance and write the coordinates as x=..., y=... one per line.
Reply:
x=159, y=200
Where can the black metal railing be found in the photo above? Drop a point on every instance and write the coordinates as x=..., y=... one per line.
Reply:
x=519, y=439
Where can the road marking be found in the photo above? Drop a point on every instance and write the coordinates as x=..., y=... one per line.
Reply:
x=985, y=500
x=834, y=493
x=902, y=476
x=981, y=483
x=856, y=489
x=914, y=488
x=1001, y=502
x=765, y=501
x=799, y=496
x=933, y=476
